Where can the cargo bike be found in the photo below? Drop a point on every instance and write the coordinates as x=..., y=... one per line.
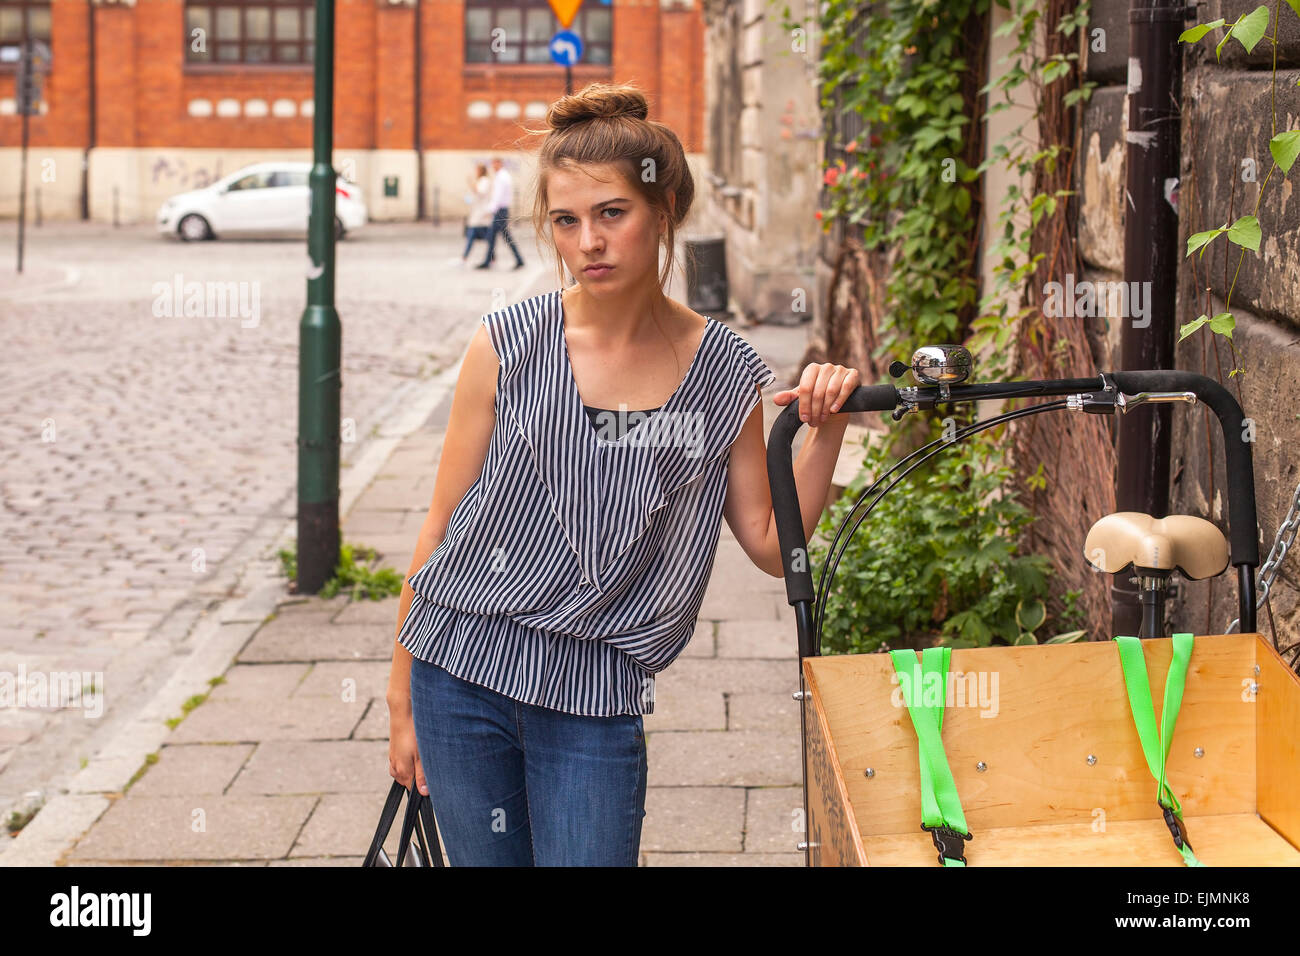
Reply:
x=1081, y=764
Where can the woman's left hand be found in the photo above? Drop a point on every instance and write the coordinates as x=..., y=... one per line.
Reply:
x=823, y=389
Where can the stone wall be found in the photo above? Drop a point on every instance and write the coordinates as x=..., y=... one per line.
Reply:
x=762, y=126
x=1226, y=126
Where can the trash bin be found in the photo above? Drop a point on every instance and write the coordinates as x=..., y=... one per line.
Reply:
x=706, y=274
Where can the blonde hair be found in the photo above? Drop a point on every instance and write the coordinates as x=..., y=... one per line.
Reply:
x=605, y=124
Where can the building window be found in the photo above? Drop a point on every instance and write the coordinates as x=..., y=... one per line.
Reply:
x=520, y=31
x=22, y=20
x=249, y=31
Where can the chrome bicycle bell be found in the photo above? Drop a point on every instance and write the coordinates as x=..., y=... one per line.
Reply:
x=941, y=365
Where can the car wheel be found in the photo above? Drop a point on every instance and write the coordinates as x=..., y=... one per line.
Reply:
x=194, y=228
x=339, y=231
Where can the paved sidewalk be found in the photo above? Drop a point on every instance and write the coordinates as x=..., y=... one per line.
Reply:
x=286, y=761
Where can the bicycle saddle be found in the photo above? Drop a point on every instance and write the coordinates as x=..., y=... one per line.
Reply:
x=1192, y=545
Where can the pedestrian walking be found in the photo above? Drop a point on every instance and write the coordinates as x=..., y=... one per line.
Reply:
x=562, y=565
x=479, y=220
x=502, y=196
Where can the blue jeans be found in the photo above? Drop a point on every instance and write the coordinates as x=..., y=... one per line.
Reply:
x=472, y=235
x=513, y=784
x=501, y=226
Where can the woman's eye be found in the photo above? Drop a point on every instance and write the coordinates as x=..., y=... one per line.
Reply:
x=560, y=221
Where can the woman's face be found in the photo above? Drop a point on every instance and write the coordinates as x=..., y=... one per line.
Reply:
x=595, y=217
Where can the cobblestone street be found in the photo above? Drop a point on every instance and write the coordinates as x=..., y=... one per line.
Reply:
x=143, y=445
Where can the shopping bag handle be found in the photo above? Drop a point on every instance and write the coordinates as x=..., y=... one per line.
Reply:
x=418, y=805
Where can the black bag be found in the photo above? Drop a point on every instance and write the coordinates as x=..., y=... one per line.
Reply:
x=417, y=806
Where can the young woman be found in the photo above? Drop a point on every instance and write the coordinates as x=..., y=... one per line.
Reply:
x=567, y=548
x=479, y=219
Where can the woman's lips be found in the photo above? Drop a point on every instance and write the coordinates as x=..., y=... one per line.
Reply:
x=597, y=273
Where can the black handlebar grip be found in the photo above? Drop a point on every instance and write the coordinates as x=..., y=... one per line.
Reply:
x=1243, y=530
x=785, y=496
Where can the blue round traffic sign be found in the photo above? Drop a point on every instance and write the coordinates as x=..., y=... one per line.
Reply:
x=566, y=48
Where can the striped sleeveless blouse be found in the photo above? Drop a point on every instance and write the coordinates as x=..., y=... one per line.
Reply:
x=573, y=568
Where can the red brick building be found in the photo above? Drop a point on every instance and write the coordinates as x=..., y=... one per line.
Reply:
x=186, y=91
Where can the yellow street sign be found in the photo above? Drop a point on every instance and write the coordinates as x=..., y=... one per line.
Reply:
x=565, y=10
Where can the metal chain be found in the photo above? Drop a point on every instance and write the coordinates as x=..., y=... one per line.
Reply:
x=1286, y=535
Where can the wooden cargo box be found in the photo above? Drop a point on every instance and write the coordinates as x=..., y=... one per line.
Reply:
x=1034, y=716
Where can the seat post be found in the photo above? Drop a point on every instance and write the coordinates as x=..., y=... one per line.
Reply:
x=1153, y=588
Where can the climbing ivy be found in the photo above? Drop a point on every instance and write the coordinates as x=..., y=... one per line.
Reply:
x=909, y=183
x=1005, y=308
x=1245, y=232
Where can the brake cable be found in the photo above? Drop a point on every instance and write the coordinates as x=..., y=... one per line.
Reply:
x=830, y=565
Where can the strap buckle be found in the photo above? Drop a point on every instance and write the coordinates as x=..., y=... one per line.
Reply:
x=1177, y=828
x=945, y=839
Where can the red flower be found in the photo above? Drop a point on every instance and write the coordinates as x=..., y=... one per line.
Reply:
x=832, y=176
x=851, y=147
x=817, y=214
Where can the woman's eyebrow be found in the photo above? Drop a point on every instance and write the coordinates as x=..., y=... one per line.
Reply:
x=593, y=208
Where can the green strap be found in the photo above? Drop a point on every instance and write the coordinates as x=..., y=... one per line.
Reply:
x=1156, y=743
x=925, y=689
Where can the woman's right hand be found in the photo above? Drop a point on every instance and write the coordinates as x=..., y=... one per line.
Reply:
x=403, y=752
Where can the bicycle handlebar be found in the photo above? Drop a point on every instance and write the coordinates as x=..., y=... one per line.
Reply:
x=1242, y=520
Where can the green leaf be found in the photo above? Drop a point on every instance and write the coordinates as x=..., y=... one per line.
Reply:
x=1294, y=5
x=1285, y=147
x=1030, y=616
x=1024, y=638
x=1201, y=239
x=1223, y=323
x=1055, y=70
x=1082, y=94
x=1191, y=327
x=1250, y=29
x=1245, y=232
x=1068, y=637
x=1192, y=34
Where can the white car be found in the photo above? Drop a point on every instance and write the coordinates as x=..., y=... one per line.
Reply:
x=262, y=199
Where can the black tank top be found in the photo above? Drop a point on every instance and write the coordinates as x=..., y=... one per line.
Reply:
x=609, y=419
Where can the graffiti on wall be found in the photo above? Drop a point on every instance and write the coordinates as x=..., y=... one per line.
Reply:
x=181, y=174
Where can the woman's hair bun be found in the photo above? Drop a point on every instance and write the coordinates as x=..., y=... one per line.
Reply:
x=597, y=101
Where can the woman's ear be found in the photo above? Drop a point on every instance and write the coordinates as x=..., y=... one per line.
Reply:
x=663, y=217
